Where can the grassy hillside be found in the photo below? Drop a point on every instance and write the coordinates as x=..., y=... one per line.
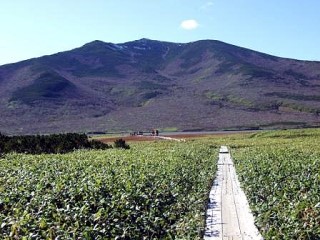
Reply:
x=143, y=84
x=48, y=86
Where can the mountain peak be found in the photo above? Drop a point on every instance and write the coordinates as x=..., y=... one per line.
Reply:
x=144, y=40
x=145, y=83
x=95, y=43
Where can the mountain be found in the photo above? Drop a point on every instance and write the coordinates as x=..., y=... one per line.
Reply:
x=145, y=84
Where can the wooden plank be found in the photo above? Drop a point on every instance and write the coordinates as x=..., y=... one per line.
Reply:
x=228, y=214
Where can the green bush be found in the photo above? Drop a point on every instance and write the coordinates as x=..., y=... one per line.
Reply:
x=55, y=143
x=120, y=143
x=154, y=191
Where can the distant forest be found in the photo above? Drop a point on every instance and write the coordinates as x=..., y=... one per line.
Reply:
x=55, y=143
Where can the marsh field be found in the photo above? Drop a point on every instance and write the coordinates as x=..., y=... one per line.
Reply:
x=159, y=189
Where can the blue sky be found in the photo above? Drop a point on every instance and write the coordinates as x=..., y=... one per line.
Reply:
x=286, y=28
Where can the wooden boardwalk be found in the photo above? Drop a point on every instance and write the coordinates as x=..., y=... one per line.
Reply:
x=228, y=214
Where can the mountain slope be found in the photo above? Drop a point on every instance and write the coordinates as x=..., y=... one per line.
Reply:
x=144, y=84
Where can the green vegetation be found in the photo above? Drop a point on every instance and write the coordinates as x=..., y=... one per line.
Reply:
x=55, y=143
x=152, y=191
x=280, y=173
x=275, y=125
x=212, y=95
x=48, y=86
x=148, y=85
x=301, y=107
x=137, y=94
x=256, y=72
x=124, y=91
x=293, y=96
x=240, y=101
x=235, y=100
x=120, y=143
x=169, y=129
x=159, y=190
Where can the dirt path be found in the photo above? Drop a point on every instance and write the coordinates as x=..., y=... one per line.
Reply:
x=170, y=138
x=177, y=135
x=149, y=138
x=228, y=214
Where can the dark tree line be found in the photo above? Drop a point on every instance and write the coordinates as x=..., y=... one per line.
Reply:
x=55, y=143
x=120, y=143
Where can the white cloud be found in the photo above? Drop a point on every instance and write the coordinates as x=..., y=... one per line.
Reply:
x=189, y=24
x=207, y=5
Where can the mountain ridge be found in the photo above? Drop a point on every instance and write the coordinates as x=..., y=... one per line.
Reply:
x=144, y=84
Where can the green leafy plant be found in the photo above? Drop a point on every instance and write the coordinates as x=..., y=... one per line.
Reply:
x=55, y=143
x=280, y=172
x=120, y=143
x=153, y=191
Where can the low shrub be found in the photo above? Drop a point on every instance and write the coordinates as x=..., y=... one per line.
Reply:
x=55, y=143
x=120, y=143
